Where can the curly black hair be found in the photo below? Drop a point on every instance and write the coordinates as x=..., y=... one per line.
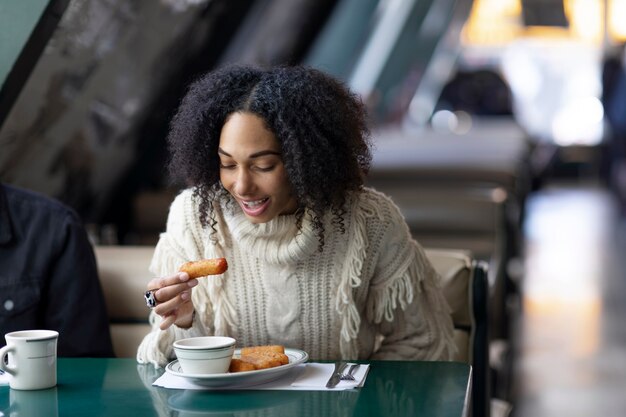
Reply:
x=320, y=124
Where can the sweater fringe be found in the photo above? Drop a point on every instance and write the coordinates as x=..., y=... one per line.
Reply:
x=344, y=303
x=398, y=291
x=351, y=278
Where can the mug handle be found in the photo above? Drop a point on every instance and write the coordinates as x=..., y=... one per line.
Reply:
x=10, y=369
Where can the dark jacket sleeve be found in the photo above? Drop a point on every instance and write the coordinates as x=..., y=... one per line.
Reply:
x=75, y=302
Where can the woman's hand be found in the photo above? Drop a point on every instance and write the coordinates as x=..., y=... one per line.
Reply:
x=173, y=297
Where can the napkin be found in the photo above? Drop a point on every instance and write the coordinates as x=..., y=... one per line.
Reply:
x=305, y=377
x=316, y=375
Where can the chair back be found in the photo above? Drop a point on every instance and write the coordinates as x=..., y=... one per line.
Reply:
x=464, y=282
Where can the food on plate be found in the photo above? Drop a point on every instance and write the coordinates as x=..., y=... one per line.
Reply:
x=204, y=267
x=262, y=361
x=262, y=349
x=259, y=357
x=237, y=365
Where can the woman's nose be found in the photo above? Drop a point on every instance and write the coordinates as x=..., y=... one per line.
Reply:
x=244, y=183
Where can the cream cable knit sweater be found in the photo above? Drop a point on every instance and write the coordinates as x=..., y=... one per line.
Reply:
x=371, y=283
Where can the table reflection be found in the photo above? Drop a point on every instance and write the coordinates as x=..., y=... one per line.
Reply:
x=120, y=387
x=32, y=403
x=249, y=403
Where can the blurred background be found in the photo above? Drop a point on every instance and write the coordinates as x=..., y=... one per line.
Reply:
x=499, y=127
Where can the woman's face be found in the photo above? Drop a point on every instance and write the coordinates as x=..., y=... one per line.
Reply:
x=252, y=170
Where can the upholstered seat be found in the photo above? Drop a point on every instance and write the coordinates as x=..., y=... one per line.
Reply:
x=124, y=275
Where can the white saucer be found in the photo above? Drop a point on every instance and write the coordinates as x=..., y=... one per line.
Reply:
x=243, y=379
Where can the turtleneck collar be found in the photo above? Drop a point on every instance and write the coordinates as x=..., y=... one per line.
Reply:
x=276, y=242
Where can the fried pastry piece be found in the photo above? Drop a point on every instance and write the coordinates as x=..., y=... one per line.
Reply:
x=259, y=357
x=261, y=361
x=237, y=365
x=204, y=267
x=280, y=357
x=260, y=349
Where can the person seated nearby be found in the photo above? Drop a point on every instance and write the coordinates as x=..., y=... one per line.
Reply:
x=275, y=161
x=48, y=274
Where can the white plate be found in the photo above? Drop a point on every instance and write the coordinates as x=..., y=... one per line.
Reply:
x=247, y=378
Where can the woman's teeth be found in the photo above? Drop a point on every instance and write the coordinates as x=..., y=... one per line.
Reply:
x=255, y=203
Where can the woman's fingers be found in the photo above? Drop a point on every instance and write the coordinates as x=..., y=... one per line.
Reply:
x=167, y=322
x=167, y=288
x=163, y=282
x=179, y=309
x=172, y=295
x=166, y=307
x=171, y=292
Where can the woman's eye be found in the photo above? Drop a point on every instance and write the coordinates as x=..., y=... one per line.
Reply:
x=265, y=168
x=226, y=166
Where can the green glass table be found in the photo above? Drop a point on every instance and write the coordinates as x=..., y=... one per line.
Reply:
x=121, y=387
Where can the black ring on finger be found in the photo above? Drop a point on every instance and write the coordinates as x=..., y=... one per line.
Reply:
x=150, y=298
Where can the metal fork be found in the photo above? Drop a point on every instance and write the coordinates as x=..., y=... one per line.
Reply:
x=349, y=376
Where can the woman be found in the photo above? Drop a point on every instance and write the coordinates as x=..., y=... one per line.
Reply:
x=275, y=161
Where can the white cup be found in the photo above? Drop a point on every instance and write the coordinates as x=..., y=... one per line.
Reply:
x=205, y=354
x=32, y=358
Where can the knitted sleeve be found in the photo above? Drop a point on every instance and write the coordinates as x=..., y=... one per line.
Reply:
x=405, y=298
x=180, y=243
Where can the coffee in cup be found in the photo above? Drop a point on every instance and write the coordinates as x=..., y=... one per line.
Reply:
x=32, y=359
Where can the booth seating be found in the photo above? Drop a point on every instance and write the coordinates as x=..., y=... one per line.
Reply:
x=492, y=157
x=495, y=155
x=465, y=191
x=464, y=282
x=124, y=274
x=492, y=151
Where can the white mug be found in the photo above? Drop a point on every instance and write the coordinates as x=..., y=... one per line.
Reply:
x=32, y=358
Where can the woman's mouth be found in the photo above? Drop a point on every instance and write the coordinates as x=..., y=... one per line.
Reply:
x=255, y=207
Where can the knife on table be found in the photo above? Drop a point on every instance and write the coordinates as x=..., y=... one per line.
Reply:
x=337, y=373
